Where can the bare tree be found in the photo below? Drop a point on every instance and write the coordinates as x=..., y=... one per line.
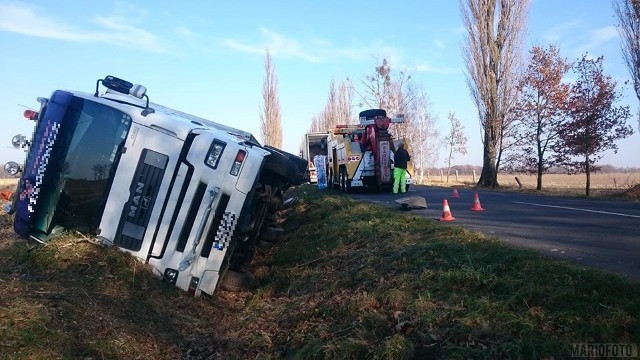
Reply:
x=337, y=110
x=495, y=30
x=329, y=114
x=393, y=91
x=424, y=139
x=627, y=13
x=345, y=102
x=595, y=122
x=315, y=124
x=388, y=89
x=270, y=117
x=455, y=140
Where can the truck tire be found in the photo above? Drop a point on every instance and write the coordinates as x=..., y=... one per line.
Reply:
x=235, y=281
x=344, y=183
x=371, y=113
x=272, y=233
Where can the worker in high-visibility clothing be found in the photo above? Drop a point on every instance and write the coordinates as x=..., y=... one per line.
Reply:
x=400, y=159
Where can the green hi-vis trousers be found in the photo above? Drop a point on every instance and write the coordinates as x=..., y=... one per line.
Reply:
x=399, y=178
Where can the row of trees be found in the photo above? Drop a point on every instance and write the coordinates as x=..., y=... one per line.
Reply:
x=532, y=114
x=531, y=119
x=556, y=123
x=338, y=108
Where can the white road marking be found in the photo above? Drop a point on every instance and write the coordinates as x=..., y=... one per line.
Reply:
x=577, y=209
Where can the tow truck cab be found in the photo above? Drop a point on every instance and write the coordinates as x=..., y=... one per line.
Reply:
x=184, y=194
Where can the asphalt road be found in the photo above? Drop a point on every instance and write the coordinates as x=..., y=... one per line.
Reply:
x=599, y=233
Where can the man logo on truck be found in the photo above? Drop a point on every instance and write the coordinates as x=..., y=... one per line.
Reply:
x=136, y=201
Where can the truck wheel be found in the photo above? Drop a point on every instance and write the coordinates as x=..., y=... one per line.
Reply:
x=346, y=187
x=272, y=233
x=235, y=281
x=334, y=185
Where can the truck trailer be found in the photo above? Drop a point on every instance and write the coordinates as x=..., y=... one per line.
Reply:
x=315, y=143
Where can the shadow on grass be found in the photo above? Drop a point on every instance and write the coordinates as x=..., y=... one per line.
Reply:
x=75, y=299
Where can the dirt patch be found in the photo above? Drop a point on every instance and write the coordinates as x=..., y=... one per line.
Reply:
x=7, y=236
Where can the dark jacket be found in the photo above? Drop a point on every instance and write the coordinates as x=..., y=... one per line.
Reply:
x=400, y=158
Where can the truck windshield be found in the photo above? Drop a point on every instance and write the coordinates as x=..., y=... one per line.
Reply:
x=81, y=166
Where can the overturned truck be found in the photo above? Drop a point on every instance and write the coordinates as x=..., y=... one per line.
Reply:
x=186, y=195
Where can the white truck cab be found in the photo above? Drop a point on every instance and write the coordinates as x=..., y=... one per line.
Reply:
x=184, y=194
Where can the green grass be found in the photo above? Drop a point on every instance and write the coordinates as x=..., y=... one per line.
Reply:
x=350, y=281
x=365, y=270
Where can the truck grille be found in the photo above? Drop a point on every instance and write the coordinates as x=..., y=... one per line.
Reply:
x=191, y=217
x=142, y=196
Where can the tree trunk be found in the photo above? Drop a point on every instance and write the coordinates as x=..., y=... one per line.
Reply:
x=540, y=155
x=539, y=182
x=588, y=172
x=449, y=162
x=489, y=176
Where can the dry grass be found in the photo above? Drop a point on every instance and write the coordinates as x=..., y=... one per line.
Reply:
x=572, y=185
x=8, y=182
x=351, y=281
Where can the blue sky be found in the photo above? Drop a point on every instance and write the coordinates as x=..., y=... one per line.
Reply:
x=207, y=58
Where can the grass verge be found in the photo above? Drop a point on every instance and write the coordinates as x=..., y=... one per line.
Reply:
x=351, y=280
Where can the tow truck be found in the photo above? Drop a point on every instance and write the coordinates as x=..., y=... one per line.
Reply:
x=361, y=156
x=184, y=194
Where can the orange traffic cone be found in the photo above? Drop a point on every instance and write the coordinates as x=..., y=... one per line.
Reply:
x=476, y=204
x=455, y=194
x=446, y=212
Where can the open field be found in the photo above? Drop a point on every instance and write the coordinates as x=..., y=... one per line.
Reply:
x=601, y=183
x=8, y=182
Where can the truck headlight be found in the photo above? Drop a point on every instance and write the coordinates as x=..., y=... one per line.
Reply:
x=12, y=168
x=214, y=154
x=171, y=275
x=19, y=141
